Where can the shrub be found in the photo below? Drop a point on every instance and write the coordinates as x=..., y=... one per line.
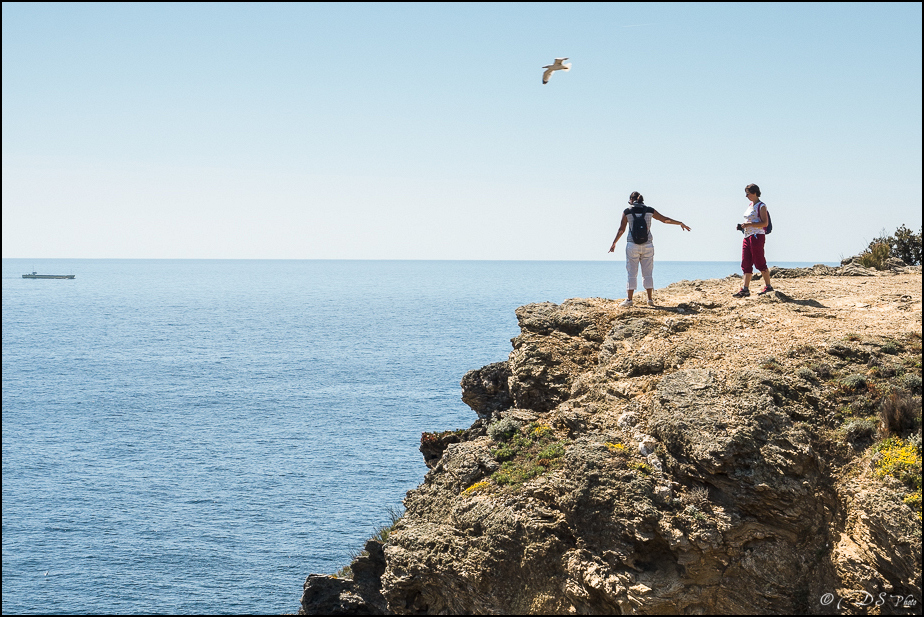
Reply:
x=876, y=255
x=912, y=382
x=914, y=501
x=890, y=347
x=915, y=440
x=504, y=453
x=887, y=370
x=552, y=451
x=511, y=473
x=805, y=373
x=903, y=244
x=853, y=383
x=899, y=412
x=823, y=371
x=526, y=454
x=906, y=245
x=478, y=486
x=503, y=430
x=538, y=430
x=697, y=497
x=900, y=459
x=859, y=431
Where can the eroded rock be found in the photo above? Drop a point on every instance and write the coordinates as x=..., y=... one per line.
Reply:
x=693, y=476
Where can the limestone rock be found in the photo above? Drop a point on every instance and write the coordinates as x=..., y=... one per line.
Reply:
x=361, y=595
x=486, y=390
x=690, y=468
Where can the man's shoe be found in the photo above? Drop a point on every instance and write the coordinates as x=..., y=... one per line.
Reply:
x=626, y=303
x=744, y=292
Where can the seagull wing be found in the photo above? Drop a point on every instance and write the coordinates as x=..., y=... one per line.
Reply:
x=558, y=61
x=546, y=75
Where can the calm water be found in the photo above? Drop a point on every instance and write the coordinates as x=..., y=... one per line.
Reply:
x=198, y=436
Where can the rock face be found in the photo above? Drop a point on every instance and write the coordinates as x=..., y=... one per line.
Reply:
x=359, y=595
x=689, y=458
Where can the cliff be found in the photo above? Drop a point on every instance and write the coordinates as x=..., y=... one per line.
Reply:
x=707, y=455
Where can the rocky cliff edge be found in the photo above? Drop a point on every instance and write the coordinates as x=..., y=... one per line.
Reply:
x=706, y=455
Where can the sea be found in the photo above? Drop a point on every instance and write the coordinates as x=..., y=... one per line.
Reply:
x=197, y=436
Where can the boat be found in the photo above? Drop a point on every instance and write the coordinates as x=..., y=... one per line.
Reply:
x=36, y=275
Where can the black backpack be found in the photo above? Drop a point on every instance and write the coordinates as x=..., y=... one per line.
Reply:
x=639, y=230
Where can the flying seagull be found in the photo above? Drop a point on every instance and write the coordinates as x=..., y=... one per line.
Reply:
x=558, y=66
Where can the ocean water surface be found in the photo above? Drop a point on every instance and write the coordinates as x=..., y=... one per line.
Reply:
x=184, y=436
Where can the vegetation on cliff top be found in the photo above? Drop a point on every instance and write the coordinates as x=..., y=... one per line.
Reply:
x=904, y=244
x=524, y=453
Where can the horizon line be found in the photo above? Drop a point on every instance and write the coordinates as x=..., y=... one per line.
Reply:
x=391, y=259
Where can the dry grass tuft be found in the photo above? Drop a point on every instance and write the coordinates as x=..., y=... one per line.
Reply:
x=697, y=496
x=899, y=412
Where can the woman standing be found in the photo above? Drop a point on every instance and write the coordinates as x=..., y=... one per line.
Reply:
x=640, y=245
x=752, y=250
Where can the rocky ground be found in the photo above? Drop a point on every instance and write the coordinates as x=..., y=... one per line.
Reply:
x=705, y=455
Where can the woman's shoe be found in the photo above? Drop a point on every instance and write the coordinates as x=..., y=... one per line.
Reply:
x=626, y=303
x=767, y=289
x=744, y=292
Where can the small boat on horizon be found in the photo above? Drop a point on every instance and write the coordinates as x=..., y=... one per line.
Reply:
x=36, y=275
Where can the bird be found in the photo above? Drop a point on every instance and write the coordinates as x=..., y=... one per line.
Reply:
x=558, y=65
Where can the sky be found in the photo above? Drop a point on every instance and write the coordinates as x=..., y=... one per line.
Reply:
x=423, y=131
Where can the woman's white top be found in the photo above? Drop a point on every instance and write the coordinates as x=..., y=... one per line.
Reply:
x=752, y=215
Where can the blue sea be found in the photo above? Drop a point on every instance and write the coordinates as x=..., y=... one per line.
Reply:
x=184, y=436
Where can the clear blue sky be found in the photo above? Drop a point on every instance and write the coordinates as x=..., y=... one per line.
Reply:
x=409, y=131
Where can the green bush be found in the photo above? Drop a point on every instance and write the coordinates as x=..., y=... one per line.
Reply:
x=859, y=431
x=890, y=347
x=554, y=450
x=503, y=430
x=539, y=430
x=504, y=453
x=511, y=473
x=903, y=244
x=875, y=256
x=854, y=382
x=912, y=382
x=906, y=245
